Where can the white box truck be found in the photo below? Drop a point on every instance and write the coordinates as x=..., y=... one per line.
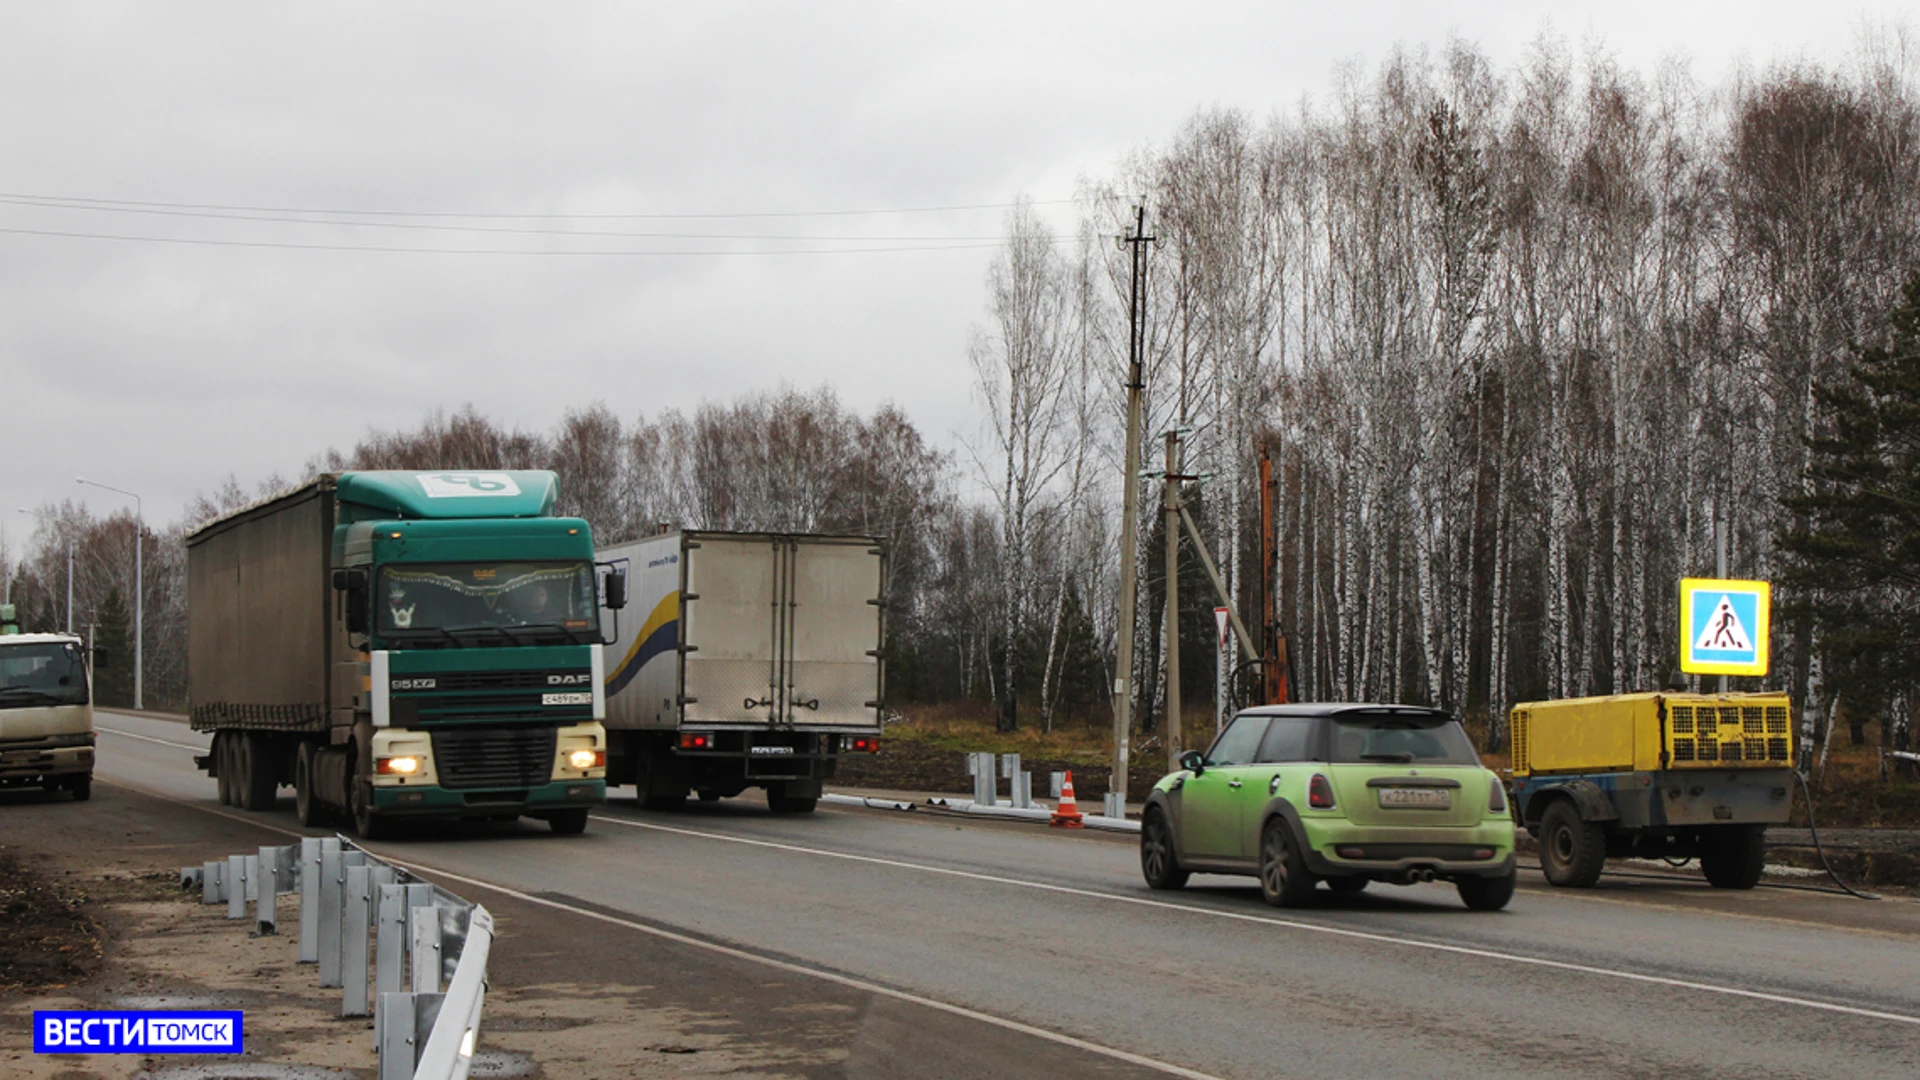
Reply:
x=46, y=711
x=743, y=660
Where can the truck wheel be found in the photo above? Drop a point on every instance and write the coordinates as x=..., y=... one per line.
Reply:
x=1284, y=878
x=568, y=822
x=260, y=782
x=1487, y=893
x=790, y=804
x=1735, y=858
x=223, y=766
x=81, y=786
x=369, y=825
x=1159, y=863
x=652, y=794
x=305, y=806
x=1572, y=851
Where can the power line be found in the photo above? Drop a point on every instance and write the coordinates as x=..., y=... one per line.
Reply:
x=79, y=202
x=496, y=229
x=291, y=246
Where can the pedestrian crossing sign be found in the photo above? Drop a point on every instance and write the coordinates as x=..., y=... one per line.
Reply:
x=1723, y=626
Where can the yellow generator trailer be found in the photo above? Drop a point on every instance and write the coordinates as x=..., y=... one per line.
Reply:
x=1660, y=775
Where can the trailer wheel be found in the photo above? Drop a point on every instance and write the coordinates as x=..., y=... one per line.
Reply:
x=568, y=822
x=259, y=785
x=1734, y=859
x=789, y=804
x=1572, y=851
x=305, y=806
x=223, y=767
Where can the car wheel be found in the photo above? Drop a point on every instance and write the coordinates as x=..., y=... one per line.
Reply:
x=568, y=822
x=1572, y=851
x=1159, y=864
x=1347, y=886
x=1734, y=859
x=1284, y=878
x=707, y=794
x=1487, y=893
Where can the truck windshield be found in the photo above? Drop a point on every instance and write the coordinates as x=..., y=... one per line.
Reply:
x=43, y=673
x=512, y=603
x=1389, y=738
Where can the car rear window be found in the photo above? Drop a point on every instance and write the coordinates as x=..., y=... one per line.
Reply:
x=1387, y=739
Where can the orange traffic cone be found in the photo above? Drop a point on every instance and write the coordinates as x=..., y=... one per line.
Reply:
x=1067, y=814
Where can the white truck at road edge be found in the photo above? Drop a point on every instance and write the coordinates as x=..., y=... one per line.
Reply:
x=748, y=660
x=46, y=713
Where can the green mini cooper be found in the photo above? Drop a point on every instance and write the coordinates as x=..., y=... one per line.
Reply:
x=1346, y=794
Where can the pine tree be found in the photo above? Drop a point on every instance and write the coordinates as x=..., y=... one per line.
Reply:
x=1855, y=564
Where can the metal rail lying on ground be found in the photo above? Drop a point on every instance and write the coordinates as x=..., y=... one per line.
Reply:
x=351, y=902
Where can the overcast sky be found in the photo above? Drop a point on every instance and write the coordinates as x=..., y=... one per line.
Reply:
x=162, y=367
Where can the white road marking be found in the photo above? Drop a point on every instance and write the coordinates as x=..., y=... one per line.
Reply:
x=1292, y=924
x=725, y=950
x=147, y=738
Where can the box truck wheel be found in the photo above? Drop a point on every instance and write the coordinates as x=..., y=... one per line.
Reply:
x=1734, y=858
x=1572, y=851
x=306, y=806
x=81, y=786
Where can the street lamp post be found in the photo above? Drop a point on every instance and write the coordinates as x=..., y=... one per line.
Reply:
x=139, y=589
x=65, y=528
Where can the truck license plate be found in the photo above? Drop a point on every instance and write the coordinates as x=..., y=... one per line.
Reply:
x=567, y=699
x=1416, y=798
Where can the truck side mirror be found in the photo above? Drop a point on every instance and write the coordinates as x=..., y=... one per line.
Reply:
x=616, y=591
x=101, y=657
x=354, y=584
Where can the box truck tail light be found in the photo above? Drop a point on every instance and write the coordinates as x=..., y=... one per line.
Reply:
x=1320, y=792
x=696, y=742
x=1496, y=797
x=863, y=744
x=396, y=766
x=588, y=759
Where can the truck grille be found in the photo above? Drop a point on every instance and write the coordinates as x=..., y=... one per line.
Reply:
x=506, y=680
x=1519, y=739
x=493, y=757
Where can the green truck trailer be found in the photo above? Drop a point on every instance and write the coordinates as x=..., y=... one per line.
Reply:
x=402, y=644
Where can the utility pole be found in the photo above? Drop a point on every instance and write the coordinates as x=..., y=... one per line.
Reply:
x=1171, y=513
x=1136, y=240
x=139, y=586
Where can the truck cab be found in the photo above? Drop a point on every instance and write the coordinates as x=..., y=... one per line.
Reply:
x=46, y=713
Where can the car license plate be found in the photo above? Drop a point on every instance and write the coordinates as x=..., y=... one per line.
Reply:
x=566, y=699
x=1416, y=798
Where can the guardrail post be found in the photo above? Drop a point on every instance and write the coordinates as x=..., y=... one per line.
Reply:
x=981, y=766
x=210, y=875
x=393, y=1033
x=267, y=892
x=389, y=953
x=236, y=886
x=310, y=898
x=354, y=939
x=1019, y=782
x=425, y=950
x=1056, y=784
x=332, y=881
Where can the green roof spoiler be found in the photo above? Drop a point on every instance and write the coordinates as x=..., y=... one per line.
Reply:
x=453, y=493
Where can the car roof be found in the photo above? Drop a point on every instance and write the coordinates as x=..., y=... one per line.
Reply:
x=1336, y=708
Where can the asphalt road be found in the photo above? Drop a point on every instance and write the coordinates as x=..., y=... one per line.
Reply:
x=1041, y=953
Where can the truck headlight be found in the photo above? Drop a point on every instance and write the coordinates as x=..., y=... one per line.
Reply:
x=396, y=766
x=586, y=759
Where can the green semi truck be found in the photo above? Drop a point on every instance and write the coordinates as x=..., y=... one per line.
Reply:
x=402, y=644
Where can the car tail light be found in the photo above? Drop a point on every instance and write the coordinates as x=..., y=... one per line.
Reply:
x=696, y=742
x=1320, y=792
x=863, y=744
x=1483, y=853
x=1496, y=798
x=1350, y=852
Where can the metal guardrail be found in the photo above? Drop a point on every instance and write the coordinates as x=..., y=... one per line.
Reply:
x=352, y=902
